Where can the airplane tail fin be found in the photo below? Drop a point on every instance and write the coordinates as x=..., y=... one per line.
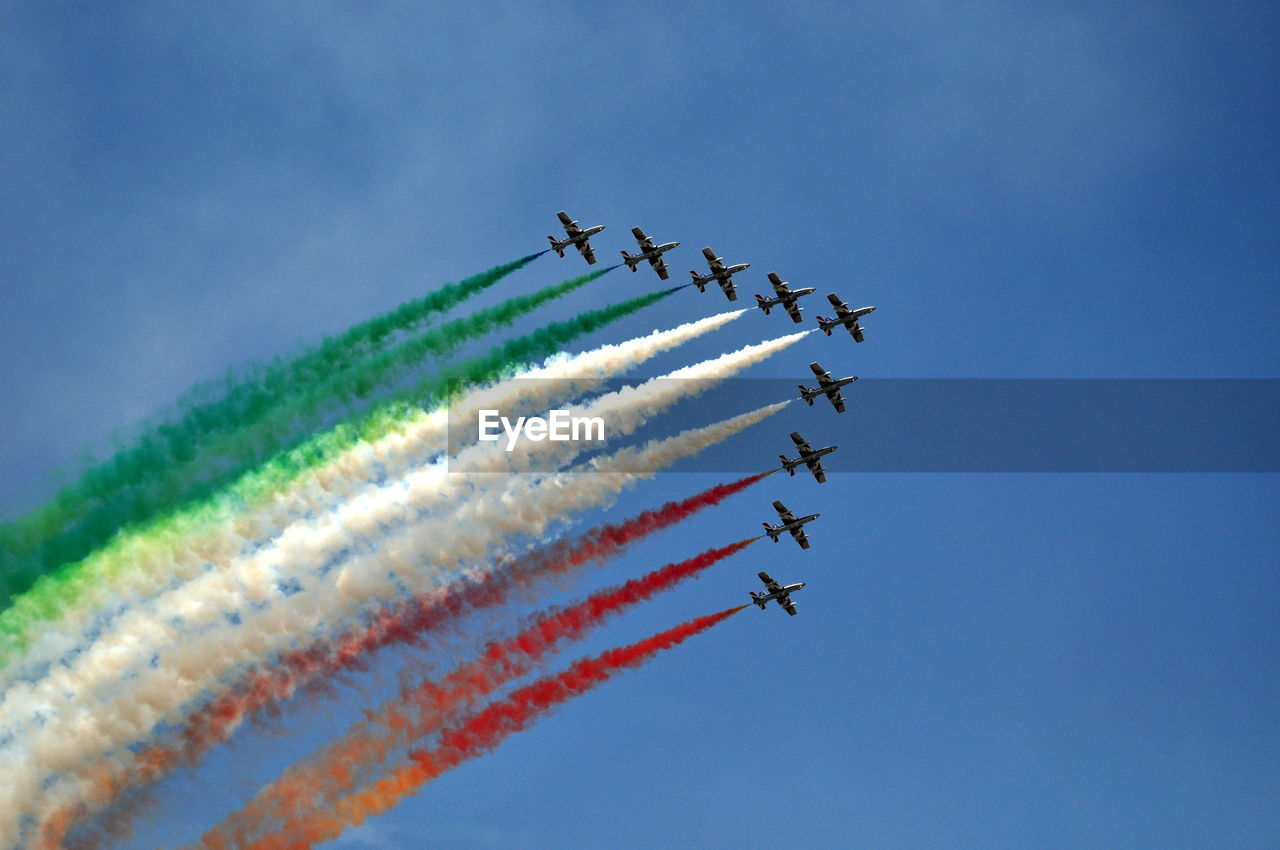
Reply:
x=631, y=261
x=756, y=598
x=790, y=469
x=556, y=246
x=803, y=394
x=763, y=304
x=825, y=324
x=697, y=281
x=770, y=531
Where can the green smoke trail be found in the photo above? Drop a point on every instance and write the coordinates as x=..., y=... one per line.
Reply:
x=39, y=540
x=88, y=582
x=164, y=486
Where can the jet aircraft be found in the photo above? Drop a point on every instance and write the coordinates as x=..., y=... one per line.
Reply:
x=789, y=523
x=826, y=386
x=577, y=238
x=808, y=456
x=720, y=273
x=844, y=316
x=776, y=591
x=785, y=296
x=648, y=251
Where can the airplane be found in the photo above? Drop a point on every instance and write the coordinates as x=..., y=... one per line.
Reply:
x=776, y=591
x=786, y=296
x=789, y=523
x=808, y=456
x=648, y=251
x=827, y=387
x=577, y=237
x=844, y=316
x=719, y=273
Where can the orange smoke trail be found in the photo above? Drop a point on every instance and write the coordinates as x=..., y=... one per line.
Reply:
x=478, y=733
x=262, y=688
x=347, y=763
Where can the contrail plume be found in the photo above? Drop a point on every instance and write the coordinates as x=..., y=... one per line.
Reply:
x=307, y=546
x=275, y=571
x=268, y=685
x=194, y=665
x=344, y=765
x=212, y=455
x=76, y=586
x=476, y=734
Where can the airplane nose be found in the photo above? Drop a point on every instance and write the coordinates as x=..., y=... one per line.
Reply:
x=871, y=309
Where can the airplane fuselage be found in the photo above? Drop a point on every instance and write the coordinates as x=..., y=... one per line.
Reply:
x=810, y=393
x=568, y=241
x=775, y=530
x=723, y=274
x=788, y=297
x=763, y=599
x=852, y=318
x=790, y=466
x=656, y=251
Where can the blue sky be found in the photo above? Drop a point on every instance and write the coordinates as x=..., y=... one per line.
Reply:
x=1057, y=191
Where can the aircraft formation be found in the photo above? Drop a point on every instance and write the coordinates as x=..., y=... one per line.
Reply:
x=786, y=298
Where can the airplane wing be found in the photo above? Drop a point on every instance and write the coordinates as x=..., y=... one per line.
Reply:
x=855, y=330
x=801, y=538
x=841, y=307
x=823, y=376
x=658, y=266
x=564, y=219
x=779, y=285
x=837, y=400
x=801, y=443
x=585, y=249
x=644, y=241
x=793, y=310
x=729, y=291
x=815, y=466
x=769, y=584
x=712, y=260
x=785, y=514
x=787, y=604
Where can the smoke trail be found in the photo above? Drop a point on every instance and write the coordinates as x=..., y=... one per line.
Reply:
x=273, y=574
x=273, y=571
x=174, y=619
x=270, y=572
x=345, y=764
x=265, y=686
x=193, y=666
x=475, y=734
x=73, y=586
x=216, y=537
x=207, y=454
x=243, y=398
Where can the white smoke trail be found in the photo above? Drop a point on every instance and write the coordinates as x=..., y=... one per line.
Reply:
x=141, y=567
x=191, y=669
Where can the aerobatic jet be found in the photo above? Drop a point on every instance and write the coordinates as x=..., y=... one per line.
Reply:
x=648, y=251
x=577, y=238
x=844, y=316
x=808, y=456
x=826, y=386
x=720, y=273
x=789, y=523
x=776, y=591
x=785, y=296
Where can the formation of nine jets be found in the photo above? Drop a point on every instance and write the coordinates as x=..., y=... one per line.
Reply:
x=785, y=297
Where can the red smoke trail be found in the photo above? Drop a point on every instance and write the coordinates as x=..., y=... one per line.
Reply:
x=478, y=733
x=346, y=763
x=265, y=687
